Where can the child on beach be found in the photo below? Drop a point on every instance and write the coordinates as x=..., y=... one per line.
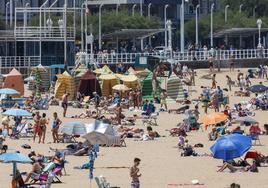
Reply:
x=134, y=174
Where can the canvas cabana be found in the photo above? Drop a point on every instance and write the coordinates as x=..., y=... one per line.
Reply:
x=104, y=70
x=131, y=81
x=65, y=84
x=107, y=83
x=14, y=80
x=147, y=88
x=174, y=88
x=89, y=84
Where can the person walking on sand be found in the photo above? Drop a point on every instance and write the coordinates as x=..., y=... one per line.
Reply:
x=231, y=62
x=229, y=82
x=119, y=113
x=214, y=83
x=163, y=97
x=43, y=124
x=55, y=127
x=64, y=103
x=37, y=128
x=134, y=174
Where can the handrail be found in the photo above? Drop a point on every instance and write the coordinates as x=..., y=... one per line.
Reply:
x=199, y=55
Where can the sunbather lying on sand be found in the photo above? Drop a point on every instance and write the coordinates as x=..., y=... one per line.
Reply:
x=86, y=114
x=226, y=165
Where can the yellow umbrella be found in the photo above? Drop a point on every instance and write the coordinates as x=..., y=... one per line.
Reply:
x=120, y=87
x=214, y=118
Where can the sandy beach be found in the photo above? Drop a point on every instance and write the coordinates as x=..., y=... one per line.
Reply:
x=161, y=164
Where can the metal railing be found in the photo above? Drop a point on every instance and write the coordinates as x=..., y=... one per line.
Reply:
x=19, y=61
x=45, y=33
x=200, y=55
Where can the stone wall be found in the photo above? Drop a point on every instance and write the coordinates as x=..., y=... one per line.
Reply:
x=245, y=63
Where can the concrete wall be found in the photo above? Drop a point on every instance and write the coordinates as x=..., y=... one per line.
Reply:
x=246, y=63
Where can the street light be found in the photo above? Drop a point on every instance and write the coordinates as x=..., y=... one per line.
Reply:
x=7, y=7
x=196, y=24
x=141, y=7
x=82, y=26
x=133, y=9
x=259, y=23
x=254, y=11
x=182, y=24
x=25, y=17
x=60, y=23
x=169, y=24
x=226, y=12
x=100, y=45
x=149, y=9
x=10, y=13
x=211, y=25
x=117, y=8
x=240, y=8
x=165, y=20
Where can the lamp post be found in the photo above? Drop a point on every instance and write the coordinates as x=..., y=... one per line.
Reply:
x=182, y=26
x=100, y=45
x=165, y=20
x=149, y=15
x=25, y=17
x=117, y=8
x=7, y=7
x=196, y=24
x=226, y=12
x=211, y=25
x=149, y=9
x=133, y=9
x=82, y=27
x=240, y=8
x=10, y=13
x=169, y=24
x=254, y=11
x=141, y=4
x=259, y=23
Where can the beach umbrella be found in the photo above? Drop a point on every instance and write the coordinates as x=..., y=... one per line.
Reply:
x=8, y=91
x=246, y=119
x=120, y=87
x=258, y=88
x=17, y=113
x=14, y=158
x=231, y=146
x=99, y=133
x=97, y=138
x=214, y=118
x=73, y=128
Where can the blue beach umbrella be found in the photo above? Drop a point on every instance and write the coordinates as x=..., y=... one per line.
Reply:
x=17, y=113
x=231, y=146
x=14, y=158
x=74, y=128
x=8, y=91
x=258, y=88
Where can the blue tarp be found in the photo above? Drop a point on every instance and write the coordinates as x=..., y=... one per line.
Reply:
x=57, y=66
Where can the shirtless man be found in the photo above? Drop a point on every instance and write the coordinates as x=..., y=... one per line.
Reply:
x=134, y=174
x=64, y=103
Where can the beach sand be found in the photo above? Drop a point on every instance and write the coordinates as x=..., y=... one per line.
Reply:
x=161, y=163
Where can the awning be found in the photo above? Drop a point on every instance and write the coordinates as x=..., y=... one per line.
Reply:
x=236, y=32
x=132, y=33
x=57, y=66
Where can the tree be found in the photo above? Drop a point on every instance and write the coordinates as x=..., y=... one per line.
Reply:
x=235, y=20
x=123, y=20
